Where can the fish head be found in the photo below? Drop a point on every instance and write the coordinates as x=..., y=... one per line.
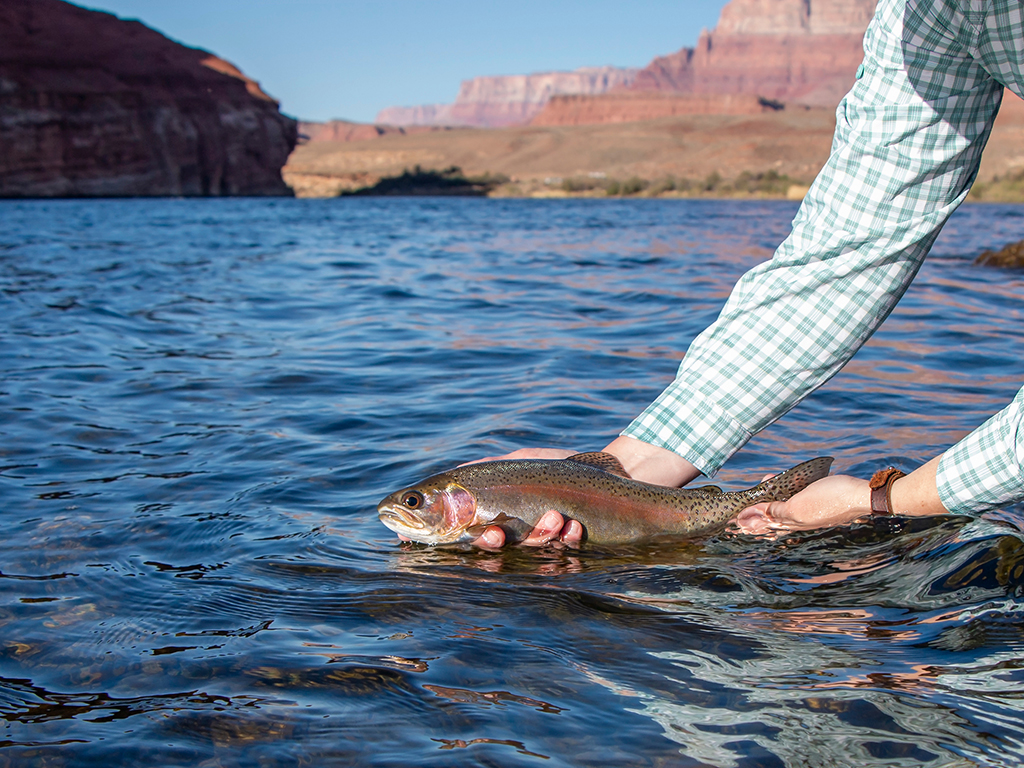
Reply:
x=430, y=513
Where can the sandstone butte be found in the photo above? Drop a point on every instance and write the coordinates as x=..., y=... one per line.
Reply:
x=762, y=55
x=346, y=130
x=501, y=100
x=772, y=52
x=92, y=105
x=791, y=142
x=710, y=110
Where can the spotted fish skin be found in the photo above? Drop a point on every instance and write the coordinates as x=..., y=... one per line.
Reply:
x=592, y=488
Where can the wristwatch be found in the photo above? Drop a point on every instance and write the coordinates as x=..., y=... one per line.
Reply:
x=881, y=490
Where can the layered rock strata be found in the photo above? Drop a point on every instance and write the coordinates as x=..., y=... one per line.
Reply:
x=92, y=105
x=795, y=51
x=802, y=52
x=422, y=114
x=629, y=107
x=344, y=130
x=493, y=102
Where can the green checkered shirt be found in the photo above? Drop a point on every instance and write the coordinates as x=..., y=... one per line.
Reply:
x=908, y=142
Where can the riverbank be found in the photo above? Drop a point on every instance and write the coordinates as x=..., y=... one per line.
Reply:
x=718, y=155
x=770, y=155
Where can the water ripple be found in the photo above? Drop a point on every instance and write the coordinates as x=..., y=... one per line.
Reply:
x=204, y=400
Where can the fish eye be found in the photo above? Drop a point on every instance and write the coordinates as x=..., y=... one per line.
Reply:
x=412, y=500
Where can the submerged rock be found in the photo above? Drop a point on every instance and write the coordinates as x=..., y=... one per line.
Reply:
x=1011, y=255
x=93, y=106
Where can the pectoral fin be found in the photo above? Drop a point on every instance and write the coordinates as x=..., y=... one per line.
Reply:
x=515, y=528
x=601, y=460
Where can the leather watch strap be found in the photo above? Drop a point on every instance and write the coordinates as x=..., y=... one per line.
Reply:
x=881, y=490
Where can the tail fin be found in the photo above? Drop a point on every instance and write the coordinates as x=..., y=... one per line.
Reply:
x=781, y=487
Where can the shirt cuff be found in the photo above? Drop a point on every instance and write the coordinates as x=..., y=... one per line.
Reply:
x=983, y=471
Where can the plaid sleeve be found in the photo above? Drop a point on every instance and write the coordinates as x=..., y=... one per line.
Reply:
x=907, y=146
x=985, y=470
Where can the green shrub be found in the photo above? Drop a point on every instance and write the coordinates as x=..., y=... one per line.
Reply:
x=581, y=184
x=1001, y=189
x=667, y=184
x=634, y=185
x=712, y=181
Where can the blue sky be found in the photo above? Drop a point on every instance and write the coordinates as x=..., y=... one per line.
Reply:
x=349, y=59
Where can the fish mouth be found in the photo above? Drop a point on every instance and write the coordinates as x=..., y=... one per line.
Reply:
x=400, y=521
x=406, y=524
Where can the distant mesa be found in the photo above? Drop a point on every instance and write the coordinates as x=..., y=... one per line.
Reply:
x=762, y=53
x=346, y=130
x=95, y=106
x=795, y=51
x=503, y=100
x=634, y=106
x=422, y=115
x=748, y=111
x=799, y=52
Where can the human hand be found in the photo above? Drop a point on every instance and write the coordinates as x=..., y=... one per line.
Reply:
x=528, y=453
x=833, y=500
x=643, y=461
x=552, y=526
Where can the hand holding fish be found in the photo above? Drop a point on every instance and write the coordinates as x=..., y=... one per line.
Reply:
x=552, y=526
x=839, y=499
x=593, y=490
x=833, y=500
x=642, y=461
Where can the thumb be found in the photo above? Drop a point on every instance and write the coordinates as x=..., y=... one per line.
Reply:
x=763, y=517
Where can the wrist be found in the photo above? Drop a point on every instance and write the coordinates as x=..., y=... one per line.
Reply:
x=917, y=494
x=860, y=501
x=650, y=463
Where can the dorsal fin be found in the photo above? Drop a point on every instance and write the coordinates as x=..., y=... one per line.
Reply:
x=601, y=460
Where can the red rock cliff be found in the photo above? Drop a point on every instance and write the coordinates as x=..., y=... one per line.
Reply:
x=344, y=131
x=636, y=106
x=773, y=51
x=803, y=51
x=493, y=102
x=91, y=105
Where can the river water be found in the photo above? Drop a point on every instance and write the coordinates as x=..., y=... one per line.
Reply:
x=203, y=401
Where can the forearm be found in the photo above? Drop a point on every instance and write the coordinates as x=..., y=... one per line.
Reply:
x=917, y=494
x=651, y=463
x=913, y=495
x=841, y=499
x=902, y=161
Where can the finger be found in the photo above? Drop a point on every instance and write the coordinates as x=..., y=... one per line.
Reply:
x=572, y=534
x=778, y=515
x=492, y=538
x=528, y=453
x=477, y=461
x=547, y=528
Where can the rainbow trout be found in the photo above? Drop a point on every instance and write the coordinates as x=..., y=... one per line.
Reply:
x=457, y=505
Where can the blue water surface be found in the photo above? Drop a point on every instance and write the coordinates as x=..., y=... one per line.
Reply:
x=204, y=400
